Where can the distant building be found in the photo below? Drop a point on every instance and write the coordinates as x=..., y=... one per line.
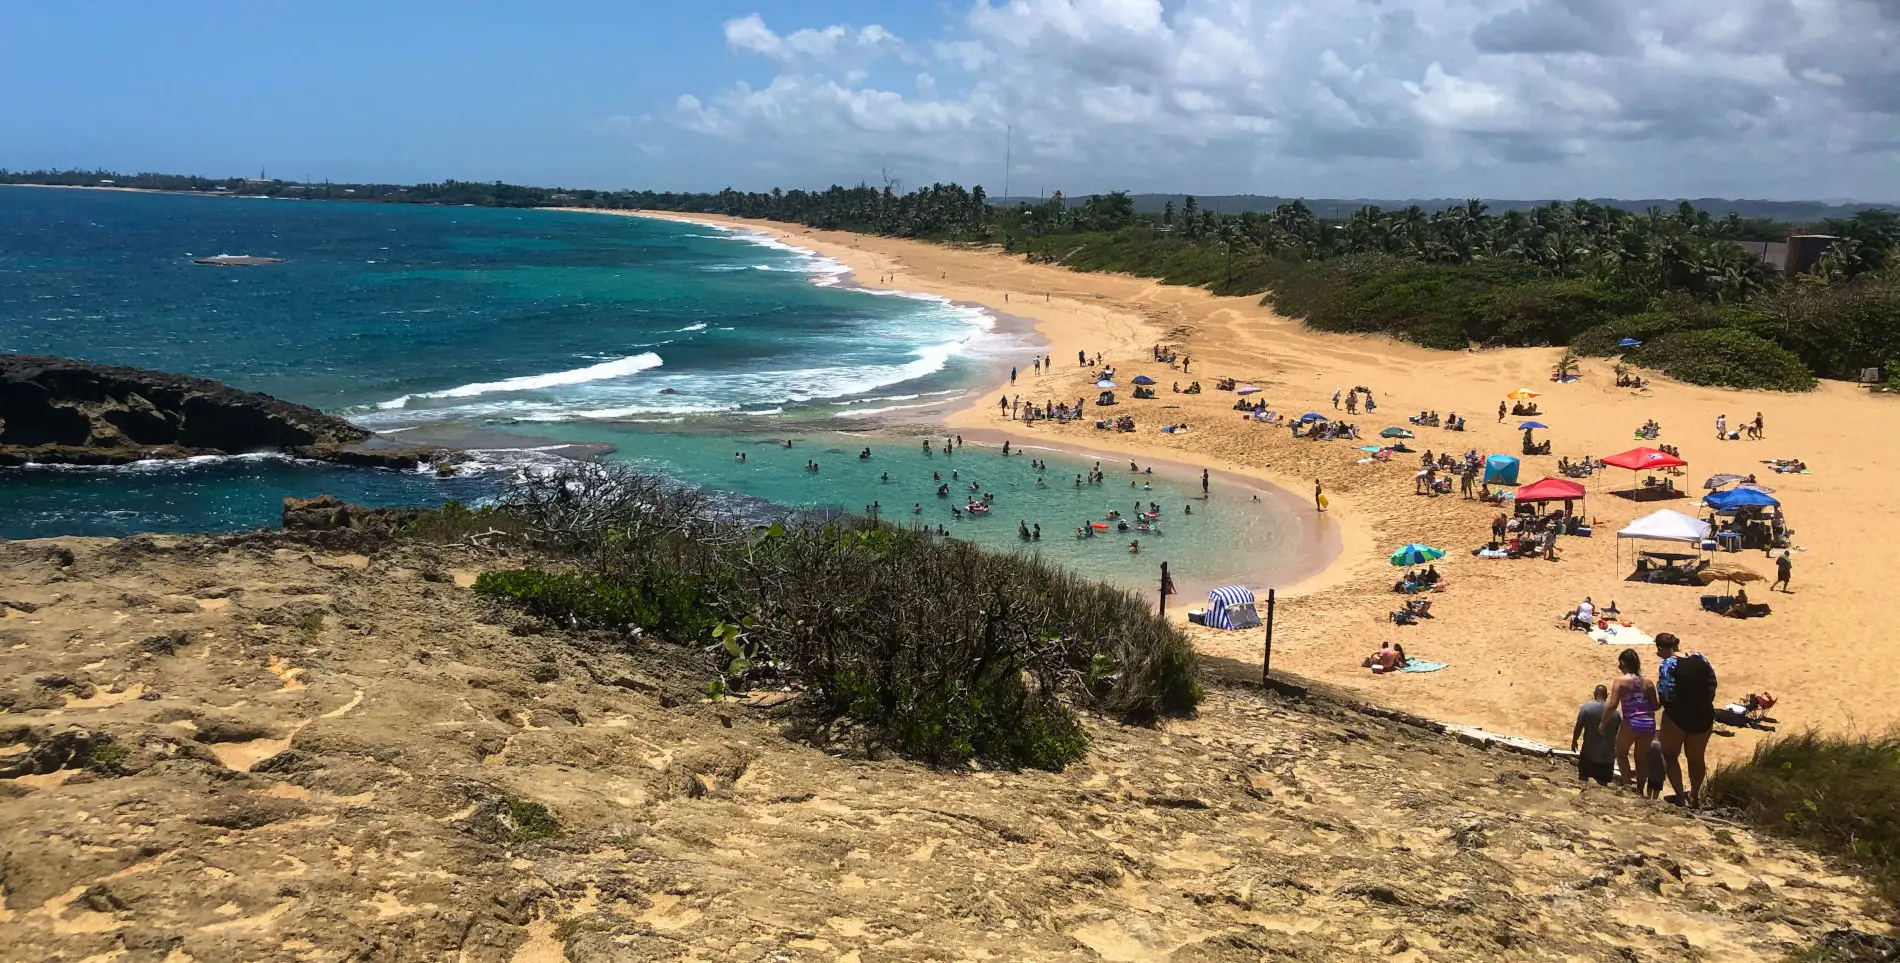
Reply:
x=108, y=183
x=1805, y=250
x=1796, y=255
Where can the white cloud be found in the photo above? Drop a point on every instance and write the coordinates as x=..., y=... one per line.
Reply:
x=1340, y=97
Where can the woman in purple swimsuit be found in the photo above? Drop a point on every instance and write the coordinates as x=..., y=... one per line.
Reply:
x=1635, y=699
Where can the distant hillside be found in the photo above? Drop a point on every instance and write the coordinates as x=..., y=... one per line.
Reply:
x=1793, y=212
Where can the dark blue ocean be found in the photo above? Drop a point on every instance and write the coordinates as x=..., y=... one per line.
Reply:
x=677, y=344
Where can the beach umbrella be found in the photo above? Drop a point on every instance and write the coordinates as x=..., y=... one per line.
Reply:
x=1724, y=478
x=1522, y=394
x=1312, y=416
x=1144, y=380
x=1629, y=343
x=1416, y=554
x=1246, y=390
x=1731, y=573
x=1532, y=424
x=1756, y=487
x=1395, y=432
x=1105, y=383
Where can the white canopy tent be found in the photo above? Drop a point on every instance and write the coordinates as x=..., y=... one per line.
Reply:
x=1667, y=526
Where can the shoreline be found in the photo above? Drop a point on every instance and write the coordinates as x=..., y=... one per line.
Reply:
x=1510, y=668
x=1333, y=535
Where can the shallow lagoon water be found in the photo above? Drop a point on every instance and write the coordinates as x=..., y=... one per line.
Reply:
x=676, y=344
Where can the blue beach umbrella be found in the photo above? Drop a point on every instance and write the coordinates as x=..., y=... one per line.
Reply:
x=1105, y=383
x=1629, y=343
x=1532, y=424
x=1311, y=416
x=1144, y=380
x=1416, y=554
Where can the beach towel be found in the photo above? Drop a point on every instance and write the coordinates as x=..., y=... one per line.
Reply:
x=1626, y=635
x=1420, y=665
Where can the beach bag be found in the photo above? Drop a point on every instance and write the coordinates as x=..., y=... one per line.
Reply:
x=1686, y=680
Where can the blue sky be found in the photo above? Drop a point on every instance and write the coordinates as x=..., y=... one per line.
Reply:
x=1354, y=98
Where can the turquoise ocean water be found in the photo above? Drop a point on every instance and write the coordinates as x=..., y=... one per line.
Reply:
x=679, y=345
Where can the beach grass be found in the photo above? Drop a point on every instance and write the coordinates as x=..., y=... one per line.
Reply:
x=1840, y=794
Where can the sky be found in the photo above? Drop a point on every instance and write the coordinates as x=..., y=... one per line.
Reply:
x=1785, y=99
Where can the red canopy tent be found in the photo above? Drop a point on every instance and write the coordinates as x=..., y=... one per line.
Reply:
x=1637, y=459
x=1550, y=490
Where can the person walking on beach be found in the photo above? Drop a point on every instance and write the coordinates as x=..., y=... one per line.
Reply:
x=1501, y=412
x=1685, y=687
x=1319, y=497
x=1336, y=394
x=1721, y=427
x=1758, y=427
x=1597, y=757
x=1012, y=376
x=1784, y=567
x=1464, y=484
x=1635, y=700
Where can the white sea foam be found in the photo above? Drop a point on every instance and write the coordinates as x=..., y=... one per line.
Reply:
x=604, y=371
x=155, y=465
x=695, y=327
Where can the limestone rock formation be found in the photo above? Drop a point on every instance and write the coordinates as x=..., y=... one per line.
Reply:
x=63, y=411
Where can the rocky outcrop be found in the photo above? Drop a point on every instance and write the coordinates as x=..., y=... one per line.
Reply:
x=325, y=513
x=62, y=411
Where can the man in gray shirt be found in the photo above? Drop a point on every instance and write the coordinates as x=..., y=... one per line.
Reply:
x=1597, y=757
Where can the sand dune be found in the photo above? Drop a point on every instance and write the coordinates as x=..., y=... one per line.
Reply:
x=1822, y=652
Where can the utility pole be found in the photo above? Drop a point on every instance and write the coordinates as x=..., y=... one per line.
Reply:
x=1008, y=131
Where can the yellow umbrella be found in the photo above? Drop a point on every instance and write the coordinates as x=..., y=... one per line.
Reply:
x=1521, y=394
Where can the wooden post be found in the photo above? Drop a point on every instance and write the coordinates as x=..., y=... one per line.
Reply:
x=1266, y=660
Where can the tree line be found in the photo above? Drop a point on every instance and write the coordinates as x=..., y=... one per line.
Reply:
x=1582, y=273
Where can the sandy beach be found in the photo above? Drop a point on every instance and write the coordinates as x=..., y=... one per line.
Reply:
x=1512, y=669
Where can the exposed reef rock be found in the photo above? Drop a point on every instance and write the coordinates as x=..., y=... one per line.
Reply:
x=62, y=411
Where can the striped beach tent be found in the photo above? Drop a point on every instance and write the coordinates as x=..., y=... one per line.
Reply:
x=1231, y=607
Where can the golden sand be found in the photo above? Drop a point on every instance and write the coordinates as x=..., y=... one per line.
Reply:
x=1822, y=652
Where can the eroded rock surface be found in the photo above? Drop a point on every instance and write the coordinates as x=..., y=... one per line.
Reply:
x=276, y=751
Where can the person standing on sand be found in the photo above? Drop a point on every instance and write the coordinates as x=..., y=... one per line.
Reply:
x=1082, y=358
x=1597, y=757
x=1012, y=376
x=1685, y=684
x=1501, y=412
x=1464, y=484
x=1319, y=497
x=1336, y=394
x=1758, y=426
x=1203, y=481
x=1721, y=427
x=1784, y=567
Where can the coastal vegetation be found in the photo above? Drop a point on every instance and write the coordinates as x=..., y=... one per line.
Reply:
x=947, y=652
x=1707, y=308
x=1841, y=795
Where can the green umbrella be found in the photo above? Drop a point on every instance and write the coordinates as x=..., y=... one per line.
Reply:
x=1416, y=554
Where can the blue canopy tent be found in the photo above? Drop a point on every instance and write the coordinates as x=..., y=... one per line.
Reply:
x=1231, y=607
x=1311, y=417
x=1144, y=380
x=1739, y=498
x=1500, y=470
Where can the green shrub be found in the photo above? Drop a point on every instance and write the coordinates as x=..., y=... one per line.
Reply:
x=532, y=820
x=455, y=521
x=1725, y=357
x=954, y=652
x=1842, y=795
